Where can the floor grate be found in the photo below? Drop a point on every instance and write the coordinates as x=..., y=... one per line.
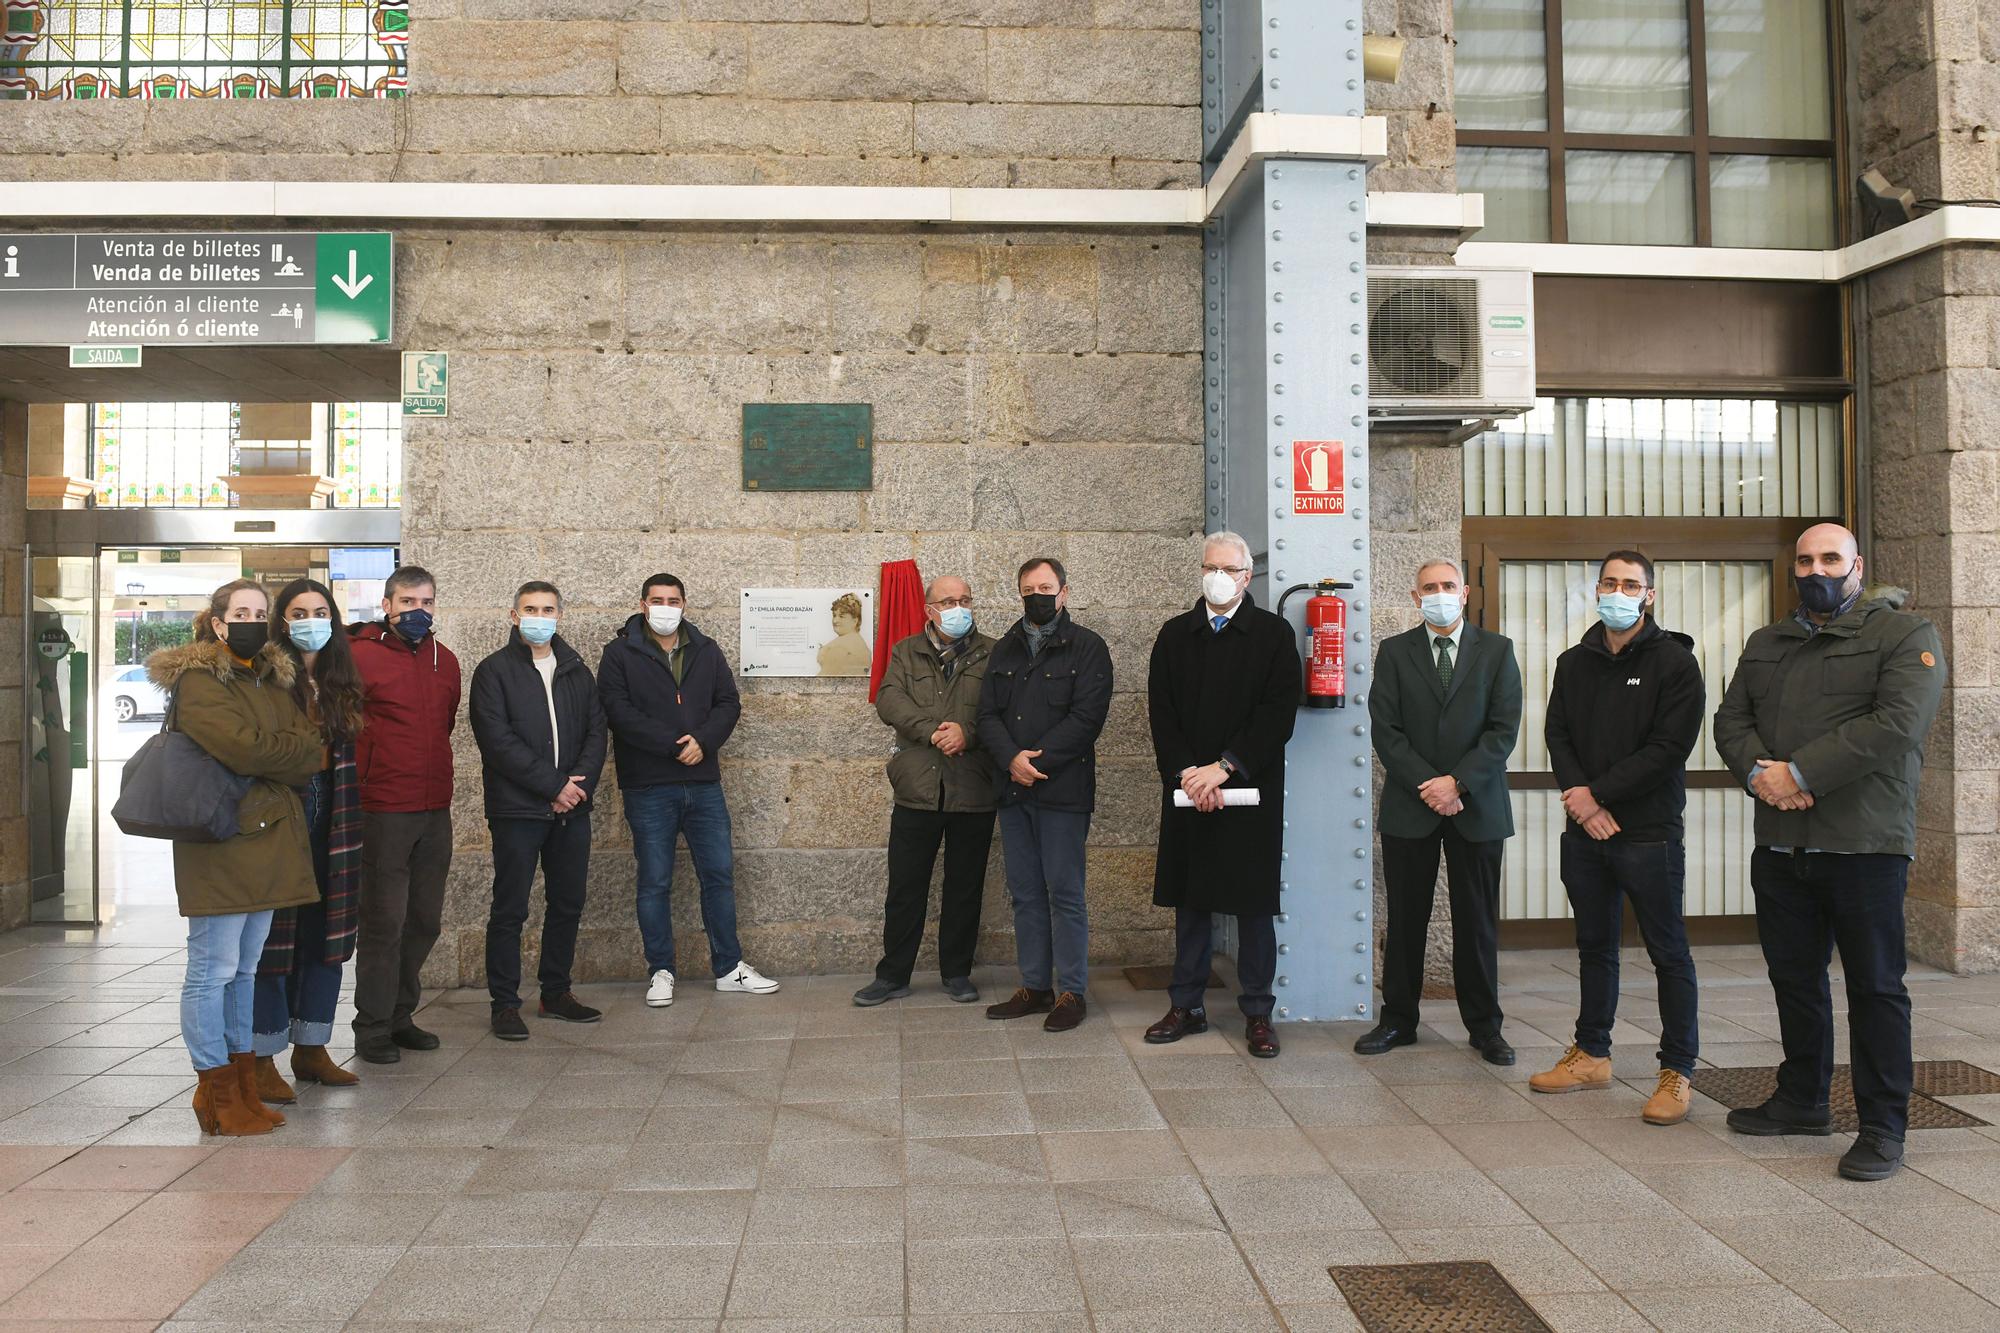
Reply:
x=1749, y=1085
x=1159, y=977
x=1463, y=1297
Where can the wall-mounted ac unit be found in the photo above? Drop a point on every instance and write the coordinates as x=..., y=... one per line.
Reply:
x=1450, y=344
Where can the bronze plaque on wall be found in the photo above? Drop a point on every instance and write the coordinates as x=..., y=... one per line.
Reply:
x=808, y=446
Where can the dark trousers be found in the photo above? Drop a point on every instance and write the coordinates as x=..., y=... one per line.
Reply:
x=1472, y=869
x=561, y=846
x=295, y=1007
x=1599, y=877
x=694, y=811
x=404, y=860
x=1043, y=852
x=914, y=839
x=1808, y=902
x=1194, y=953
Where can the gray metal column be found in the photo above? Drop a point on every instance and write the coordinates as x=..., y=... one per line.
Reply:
x=1285, y=361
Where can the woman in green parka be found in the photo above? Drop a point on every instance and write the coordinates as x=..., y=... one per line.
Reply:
x=231, y=693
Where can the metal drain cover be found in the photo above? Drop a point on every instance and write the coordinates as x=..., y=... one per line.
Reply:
x=1151, y=977
x=1463, y=1297
x=1749, y=1085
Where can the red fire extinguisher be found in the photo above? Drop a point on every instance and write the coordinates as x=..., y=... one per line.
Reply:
x=1326, y=642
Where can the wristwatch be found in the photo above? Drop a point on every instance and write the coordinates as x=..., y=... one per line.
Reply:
x=1228, y=769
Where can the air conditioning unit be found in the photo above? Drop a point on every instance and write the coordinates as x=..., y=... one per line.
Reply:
x=1450, y=345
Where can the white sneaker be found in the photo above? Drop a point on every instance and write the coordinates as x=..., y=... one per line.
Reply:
x=661, y=993
x=746, y=979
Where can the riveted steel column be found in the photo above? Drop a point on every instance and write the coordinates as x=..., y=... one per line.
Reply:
x=1285, y=360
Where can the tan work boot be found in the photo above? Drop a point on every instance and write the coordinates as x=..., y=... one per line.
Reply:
x=1669, y=1103
x=1576, y=1071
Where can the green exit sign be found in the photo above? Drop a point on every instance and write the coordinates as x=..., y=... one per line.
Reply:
x=86, y=358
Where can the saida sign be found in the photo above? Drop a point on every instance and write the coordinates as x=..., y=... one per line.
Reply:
x=166, y=289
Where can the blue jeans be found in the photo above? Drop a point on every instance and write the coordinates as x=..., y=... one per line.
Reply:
x=295, y=1008
x=216, y=993
x=658, y=816
x=1600, y=877
x=1044, y=853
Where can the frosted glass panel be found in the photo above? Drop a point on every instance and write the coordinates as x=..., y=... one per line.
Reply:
x=1500, y=65
x=1631, y=198
x=1659, y=458
x=1625, y=67
x=1783, y=203
x=1719, y=843
x=1767, y=69
x=1515, y=182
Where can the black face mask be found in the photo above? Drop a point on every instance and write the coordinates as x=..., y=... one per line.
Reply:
x=248, y=637
x=1821, y=594
x=1039, y=607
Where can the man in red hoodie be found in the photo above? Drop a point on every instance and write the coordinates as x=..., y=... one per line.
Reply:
x=410, y=703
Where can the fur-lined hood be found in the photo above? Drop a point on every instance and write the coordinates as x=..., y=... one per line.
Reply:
x=273, y=663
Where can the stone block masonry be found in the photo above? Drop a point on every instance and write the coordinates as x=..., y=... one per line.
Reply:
x=1020, y=406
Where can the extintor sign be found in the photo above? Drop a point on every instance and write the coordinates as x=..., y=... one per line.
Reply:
x=1319, y=477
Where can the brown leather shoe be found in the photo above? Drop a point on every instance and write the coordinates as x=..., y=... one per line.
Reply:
x=271, y=1085
x=245, y=1064
x=219, y=1103
x=311, y=1064
x=1178, y=1023
x=1068, y=1012
x=1262, y=1040
x=1669, y=1103
x=1577, y=1070
x=1022, y=1003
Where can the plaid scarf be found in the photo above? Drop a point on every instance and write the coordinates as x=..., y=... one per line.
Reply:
x=950, y=651
x=342, y=890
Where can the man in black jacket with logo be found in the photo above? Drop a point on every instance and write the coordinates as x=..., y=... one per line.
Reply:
x=671, y=699
x=1624, y=714
x=541, y=740
x=1043, y=702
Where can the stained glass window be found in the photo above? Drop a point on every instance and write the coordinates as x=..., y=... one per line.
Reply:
x=203, y=48
x=367, y=455
x=180, y=455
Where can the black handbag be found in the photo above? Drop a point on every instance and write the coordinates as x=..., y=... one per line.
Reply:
x=172, y=788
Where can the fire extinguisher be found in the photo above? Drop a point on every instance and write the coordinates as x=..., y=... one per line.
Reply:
x=1326, y=642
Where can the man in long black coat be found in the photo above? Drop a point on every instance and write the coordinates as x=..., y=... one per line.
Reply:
x=1223, y=695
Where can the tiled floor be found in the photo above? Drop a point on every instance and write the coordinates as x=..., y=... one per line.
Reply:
x=792, y=1162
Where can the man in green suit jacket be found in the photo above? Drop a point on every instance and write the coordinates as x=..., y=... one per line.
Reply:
x=1446, y=708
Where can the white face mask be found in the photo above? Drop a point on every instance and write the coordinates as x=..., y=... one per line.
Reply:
x=1443, y=609
x=663, y=619
x=1218, y=588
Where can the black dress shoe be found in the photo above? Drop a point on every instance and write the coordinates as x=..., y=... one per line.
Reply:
x=414, y=1038
x=1178, y=1023
x=1873, y=1157
x=377, y=1050
x=1382, y=1037
x=1775, y=1117
x=1493, y=1049
x=1263, y=1042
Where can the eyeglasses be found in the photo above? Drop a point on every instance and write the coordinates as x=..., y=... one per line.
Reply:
x=965, y=602
x=1630, y=587
x=1231, y=570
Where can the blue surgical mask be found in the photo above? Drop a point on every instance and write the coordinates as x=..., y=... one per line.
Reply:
x=538, y=629
x=1443, y=609
x=414, y=625
x=310, y=635
x=955, y=621
x=1619, y=611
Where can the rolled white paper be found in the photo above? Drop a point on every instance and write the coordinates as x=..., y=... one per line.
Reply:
x=1230, y=796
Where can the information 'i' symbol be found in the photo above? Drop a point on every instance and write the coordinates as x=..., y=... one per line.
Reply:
x=13, y=269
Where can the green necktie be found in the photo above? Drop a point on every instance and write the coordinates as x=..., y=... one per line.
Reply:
x=1444, y=662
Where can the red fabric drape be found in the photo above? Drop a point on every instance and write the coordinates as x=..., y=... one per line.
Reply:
x=899, y=613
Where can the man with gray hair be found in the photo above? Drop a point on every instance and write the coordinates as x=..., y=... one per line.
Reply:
x=1223, y=695
x=943, y=784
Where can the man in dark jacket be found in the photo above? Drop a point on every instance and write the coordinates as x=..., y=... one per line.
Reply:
x=943, y=785
x=1624, y=714
x=671, y=700
x=541, y=740
x=1446, y=709
x=410, y=685
x=1824, y=721
x=1043, y=702
x=1223, y=695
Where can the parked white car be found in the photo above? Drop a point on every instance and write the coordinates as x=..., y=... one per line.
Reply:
x=134, y=696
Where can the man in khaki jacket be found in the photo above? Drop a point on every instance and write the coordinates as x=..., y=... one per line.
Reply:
x=944, y=794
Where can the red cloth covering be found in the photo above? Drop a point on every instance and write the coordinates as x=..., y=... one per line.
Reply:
x=899, y=613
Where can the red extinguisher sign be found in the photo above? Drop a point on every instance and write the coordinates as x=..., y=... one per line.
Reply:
x=1319, y=477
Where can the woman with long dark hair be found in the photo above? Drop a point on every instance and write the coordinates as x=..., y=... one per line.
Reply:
x=298, y=981
x=232, y=695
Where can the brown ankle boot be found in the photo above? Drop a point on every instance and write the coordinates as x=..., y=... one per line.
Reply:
x=221, y=1097
x=311, y=1064
x=271, y=1085
x=246, y=1079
